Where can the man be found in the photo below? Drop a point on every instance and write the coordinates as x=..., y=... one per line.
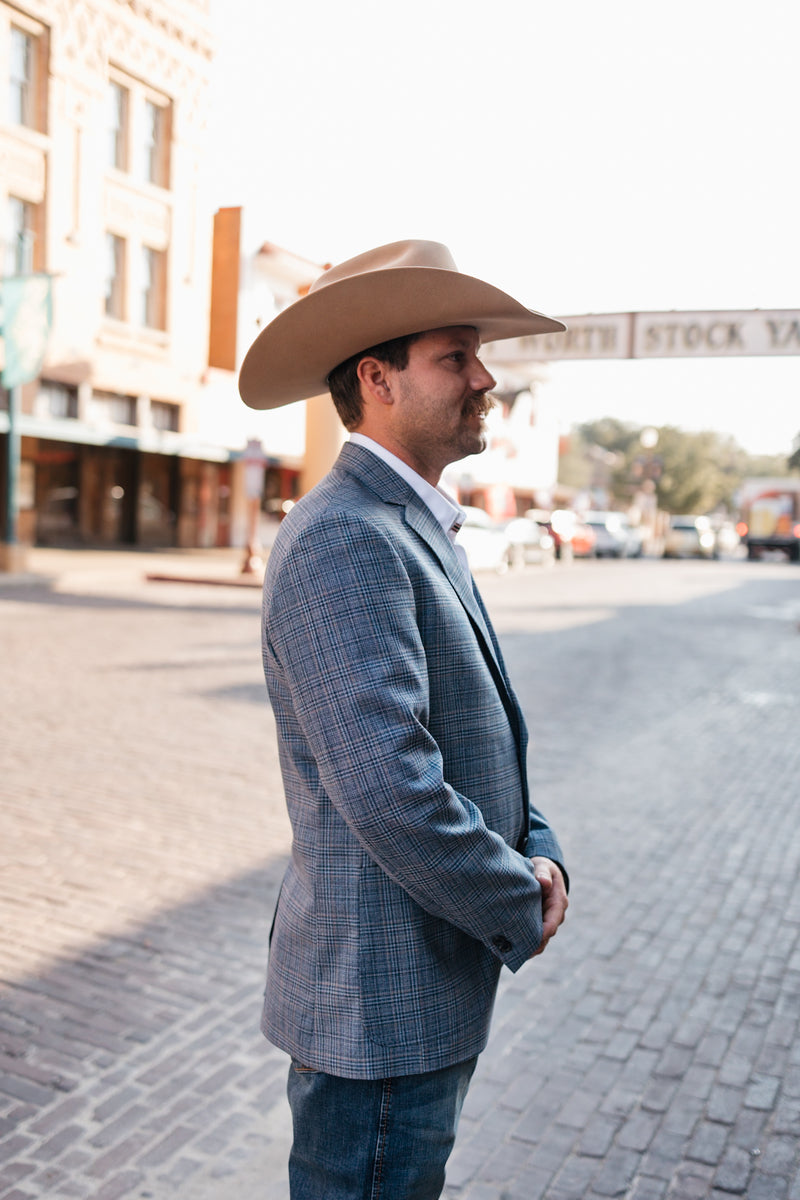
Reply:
x=418, y=865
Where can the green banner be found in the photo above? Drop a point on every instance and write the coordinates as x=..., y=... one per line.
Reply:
x=27, y=305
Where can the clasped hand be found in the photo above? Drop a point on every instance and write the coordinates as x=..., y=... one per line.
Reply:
x=554, y=898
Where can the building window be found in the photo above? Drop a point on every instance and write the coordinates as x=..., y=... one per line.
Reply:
x=20, y=238
x=154, y=144
x=22, y=79
x=115, y=277
x=164, y=415
x=60, y=400
x=139, y=129
x=152, y=302
x=121, y=410
x=117, y=99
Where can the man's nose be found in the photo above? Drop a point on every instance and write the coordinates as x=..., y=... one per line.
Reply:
x=482, y=380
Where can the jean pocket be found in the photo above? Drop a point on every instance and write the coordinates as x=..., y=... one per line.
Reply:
x=302, y=1069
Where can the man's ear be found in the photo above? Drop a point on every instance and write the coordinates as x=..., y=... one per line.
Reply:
x=373, y=377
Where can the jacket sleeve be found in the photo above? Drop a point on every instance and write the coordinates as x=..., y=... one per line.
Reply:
x=348, y=654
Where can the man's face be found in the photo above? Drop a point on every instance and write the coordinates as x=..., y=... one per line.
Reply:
x=440, y=400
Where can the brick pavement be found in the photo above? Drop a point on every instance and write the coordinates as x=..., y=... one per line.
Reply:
x=143, y=840
x=652, y=1053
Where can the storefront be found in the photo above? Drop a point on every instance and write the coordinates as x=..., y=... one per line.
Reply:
x=73, y=494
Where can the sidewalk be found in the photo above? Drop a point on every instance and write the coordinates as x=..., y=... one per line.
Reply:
x=120, y=569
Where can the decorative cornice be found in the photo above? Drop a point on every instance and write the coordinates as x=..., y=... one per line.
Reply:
x=144, y=28
x=140, y=37
x=195, y=37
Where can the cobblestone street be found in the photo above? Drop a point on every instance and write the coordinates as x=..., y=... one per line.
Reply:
x=652, y=1053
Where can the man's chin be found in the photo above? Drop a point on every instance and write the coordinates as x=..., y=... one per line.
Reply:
x=473, y=445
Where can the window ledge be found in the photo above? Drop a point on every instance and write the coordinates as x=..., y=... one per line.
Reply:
x=27, y=134
x=134, y=183
x=122, y=335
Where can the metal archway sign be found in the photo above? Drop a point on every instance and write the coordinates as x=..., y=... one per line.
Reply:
x=758, y=333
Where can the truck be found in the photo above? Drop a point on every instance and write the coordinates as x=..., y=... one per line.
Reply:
x=770, y=516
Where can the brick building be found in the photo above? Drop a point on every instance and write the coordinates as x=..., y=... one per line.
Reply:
x=101, y=142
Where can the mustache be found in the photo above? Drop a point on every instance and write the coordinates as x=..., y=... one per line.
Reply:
x=479, y=404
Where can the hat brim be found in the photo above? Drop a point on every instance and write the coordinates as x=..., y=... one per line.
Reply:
x=292, y=357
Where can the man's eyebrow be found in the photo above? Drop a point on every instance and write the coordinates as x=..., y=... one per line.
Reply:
x=462, y=340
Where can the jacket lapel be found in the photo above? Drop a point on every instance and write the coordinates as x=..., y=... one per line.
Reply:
x=393, y=489
x=420, y=518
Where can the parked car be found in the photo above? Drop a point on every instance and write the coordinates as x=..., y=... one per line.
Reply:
x=689, y=537
x=486, y=545
x=528, y=542
x=570, y=536
x=611, y=539
x=584, y=540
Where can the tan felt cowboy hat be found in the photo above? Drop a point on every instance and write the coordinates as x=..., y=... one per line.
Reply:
x=402, y=288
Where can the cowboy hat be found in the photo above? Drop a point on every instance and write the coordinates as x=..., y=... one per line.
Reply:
x=405, y=287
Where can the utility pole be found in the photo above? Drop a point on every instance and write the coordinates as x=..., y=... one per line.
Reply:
x=26, y=319
x=12, y=467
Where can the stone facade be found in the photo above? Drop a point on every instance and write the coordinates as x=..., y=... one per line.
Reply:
x=101, y=187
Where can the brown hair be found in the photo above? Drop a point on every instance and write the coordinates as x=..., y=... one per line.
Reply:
x=343, y=382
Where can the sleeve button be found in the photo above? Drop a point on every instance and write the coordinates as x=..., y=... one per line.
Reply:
x=502, y=944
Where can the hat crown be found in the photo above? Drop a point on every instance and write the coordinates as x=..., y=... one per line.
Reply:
x=397, y=254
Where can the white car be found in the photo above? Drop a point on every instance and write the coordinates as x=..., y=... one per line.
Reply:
x=609, y=530
x=528, y=542
x=689, y=537
x=486, y=545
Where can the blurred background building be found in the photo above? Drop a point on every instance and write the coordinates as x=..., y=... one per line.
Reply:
x=133, y=433
x=101, y=138
x=252, y=281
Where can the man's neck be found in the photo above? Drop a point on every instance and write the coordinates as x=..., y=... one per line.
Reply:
x=426, y=471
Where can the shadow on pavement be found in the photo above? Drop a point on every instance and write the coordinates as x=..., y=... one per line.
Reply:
x=139, y=1061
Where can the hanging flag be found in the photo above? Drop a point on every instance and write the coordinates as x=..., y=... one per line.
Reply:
x=27, y=316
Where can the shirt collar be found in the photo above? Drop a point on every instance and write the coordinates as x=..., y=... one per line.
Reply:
x=449, y=515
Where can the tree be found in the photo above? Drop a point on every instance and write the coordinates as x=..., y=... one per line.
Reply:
x=692, y=479
x=574, y=464
x=690, y=472
x=609, y=447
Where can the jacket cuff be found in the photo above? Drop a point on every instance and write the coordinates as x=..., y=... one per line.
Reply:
x=510, y=955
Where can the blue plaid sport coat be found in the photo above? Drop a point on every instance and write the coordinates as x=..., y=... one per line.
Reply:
x=402, y=750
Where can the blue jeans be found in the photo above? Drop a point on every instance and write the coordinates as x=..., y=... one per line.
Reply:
x=373, y=1139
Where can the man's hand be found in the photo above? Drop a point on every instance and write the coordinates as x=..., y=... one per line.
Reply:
x=554, y=898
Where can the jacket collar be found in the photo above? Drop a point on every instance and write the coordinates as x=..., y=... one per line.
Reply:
x=390, y=487
x=377, y=475
x=447, y=512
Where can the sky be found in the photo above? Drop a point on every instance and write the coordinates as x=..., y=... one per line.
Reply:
x=586, y=157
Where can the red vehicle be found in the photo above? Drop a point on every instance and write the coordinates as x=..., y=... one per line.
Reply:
x=584, y=541
x=571, y=536
x=770, y=510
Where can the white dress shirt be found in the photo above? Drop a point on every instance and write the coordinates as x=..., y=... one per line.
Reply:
x=449, y=515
